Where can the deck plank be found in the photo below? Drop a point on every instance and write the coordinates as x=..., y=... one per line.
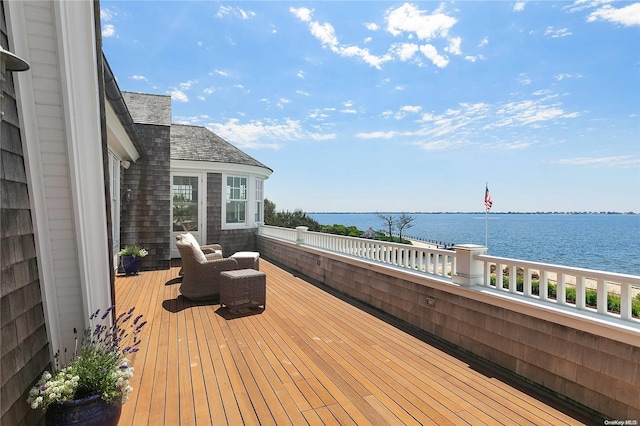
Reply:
x=309, y=357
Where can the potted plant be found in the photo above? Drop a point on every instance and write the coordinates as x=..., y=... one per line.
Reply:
x=131, y=256
x=93, y=385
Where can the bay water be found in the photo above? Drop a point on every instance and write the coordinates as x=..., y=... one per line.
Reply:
x=607, y=242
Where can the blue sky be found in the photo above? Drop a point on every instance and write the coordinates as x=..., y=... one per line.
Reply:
x=403, y=106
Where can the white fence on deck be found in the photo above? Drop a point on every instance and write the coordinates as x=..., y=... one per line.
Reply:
x=444, y=264
x=428, y=260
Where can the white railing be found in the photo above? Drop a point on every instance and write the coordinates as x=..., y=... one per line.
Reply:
x=590, y=285
x=286, y=234
x=418, y=259
x=469, y=265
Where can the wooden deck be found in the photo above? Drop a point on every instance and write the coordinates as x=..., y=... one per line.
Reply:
x=309, y=358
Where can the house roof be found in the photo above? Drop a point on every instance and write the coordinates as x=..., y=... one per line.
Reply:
x=149, y=109
x=198, y=143
x=117, y=102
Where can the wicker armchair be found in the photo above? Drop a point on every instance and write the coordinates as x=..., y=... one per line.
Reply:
x=211, y=251
x=201, y=279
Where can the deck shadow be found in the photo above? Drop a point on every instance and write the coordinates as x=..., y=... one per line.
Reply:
x=181, y=303
x=228, y=314
x=172, y=281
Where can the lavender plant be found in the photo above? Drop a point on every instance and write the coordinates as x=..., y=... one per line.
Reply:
x=99, y=366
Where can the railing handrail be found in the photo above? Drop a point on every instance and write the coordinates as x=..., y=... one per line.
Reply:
x=469, y=266
x=569, y=270
x=428, y=260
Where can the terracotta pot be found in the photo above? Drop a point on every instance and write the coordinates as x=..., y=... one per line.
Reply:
x=90, y=411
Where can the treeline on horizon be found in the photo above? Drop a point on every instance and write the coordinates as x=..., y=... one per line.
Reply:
x=481, y=212
x=286, y=219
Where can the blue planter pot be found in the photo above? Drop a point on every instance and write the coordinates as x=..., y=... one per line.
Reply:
x=131, y=264
x=90, y=411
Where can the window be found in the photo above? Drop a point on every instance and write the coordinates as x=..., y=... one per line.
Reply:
x=185, y=203
x=236, y=199
x=259, y=200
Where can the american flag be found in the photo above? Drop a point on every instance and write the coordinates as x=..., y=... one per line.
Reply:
x=487, y=199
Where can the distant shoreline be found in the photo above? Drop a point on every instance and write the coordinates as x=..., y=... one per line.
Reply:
x=491, y=213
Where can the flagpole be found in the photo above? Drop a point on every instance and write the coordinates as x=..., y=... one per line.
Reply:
x=487, y=207
x=486, y=228
x=486, y=221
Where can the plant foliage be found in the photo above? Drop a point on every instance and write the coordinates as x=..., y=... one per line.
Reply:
x=99, y=367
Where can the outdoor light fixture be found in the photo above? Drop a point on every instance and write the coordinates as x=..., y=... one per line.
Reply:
x=9, y=62
x=127, y=195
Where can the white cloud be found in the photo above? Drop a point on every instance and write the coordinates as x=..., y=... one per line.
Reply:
x=483, y=42
x=519, y=6
x=282, y=102
x=557, y=33
x=411, y=108
x=405, y=51
x=628, y=15
x=375, y=135
x=325, y=33
x=300, y=74
x=408, y=18
x=187, y=84
x=524, y=79
x=440, y=145
x=302, y=13
x=561, y=77
x=454, y=46
x=431, y=53
x=234, y=11
x=179, y=95
x=256, y=133
x=615, y=161
x=348, y=104
x=372, y=26
x=220, y=73
x=474, y=123
x=209, y=90
x=473, y=58
x=108, y=31
x=349, y=111
x=106, y=14
x=138, y=77
x=528, y=112
x=302, y=92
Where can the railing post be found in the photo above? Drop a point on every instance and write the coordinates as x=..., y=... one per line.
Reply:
x=469, y=272
x=300, y=230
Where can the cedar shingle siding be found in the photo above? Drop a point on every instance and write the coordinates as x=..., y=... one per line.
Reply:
x=24, y=347
x=145, y=219
x=231, y=240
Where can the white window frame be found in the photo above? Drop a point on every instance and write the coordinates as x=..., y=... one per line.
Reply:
x=259, y=201
x=247, y=200
x=201, y=234
x=114, y=189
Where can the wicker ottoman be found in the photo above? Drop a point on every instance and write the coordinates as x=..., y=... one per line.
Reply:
x=243, y=288
x=247, y=259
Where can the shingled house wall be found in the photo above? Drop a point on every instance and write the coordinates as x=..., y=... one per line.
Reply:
x=24, y=351
x=146, y=218
x=231, y=240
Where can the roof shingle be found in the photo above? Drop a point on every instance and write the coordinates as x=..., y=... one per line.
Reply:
x=197, y=143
